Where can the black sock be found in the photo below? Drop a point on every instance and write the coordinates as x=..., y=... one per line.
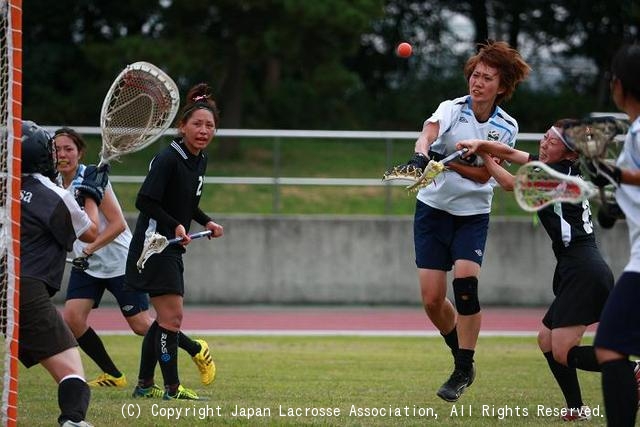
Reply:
x=464, y=359
x=620, y=393
x=92, y=345
x=187, y=344
x=451, y=339
x=167, y=353
x=567, y=379
x=148, y=357
x=73, y=399
x=584, y=358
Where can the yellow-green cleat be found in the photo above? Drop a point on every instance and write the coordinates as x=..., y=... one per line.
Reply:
x=148, y=392
x=204, y=362
x=182, y=393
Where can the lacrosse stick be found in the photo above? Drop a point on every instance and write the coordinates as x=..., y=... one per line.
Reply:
x=537, y=186
x=138, y=108
x=417, y=177
x=156, y=243
x=594, y=139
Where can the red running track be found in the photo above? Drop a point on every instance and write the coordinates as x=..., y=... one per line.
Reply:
x=326, y=320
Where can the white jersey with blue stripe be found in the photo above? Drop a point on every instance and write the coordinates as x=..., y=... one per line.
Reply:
x=628, y=196
x=108, y=261
x=451, y=192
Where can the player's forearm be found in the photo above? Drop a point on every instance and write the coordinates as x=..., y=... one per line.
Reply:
x=474, y=173
x=501, y=175
x=428, y=135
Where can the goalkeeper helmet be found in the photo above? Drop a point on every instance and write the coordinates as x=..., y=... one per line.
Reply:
x=37, y=150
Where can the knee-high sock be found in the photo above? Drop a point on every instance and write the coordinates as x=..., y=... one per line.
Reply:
x=73, y=399
x=167, y=353
x=567, y=379
x=148, y=358
x=187, y=344
x=620, y=393
x=464, y=359
x=93, y=346
x=584, y=358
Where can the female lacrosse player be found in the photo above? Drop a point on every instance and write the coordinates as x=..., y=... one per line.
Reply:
x=452, y=214
x=49, y=223
x=582, y=279
x=168, y=202
x=618, y=334
x=105, y=259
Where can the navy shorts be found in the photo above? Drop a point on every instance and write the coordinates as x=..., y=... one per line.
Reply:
x=619, y=328
x=441, y=238
x=85, y=286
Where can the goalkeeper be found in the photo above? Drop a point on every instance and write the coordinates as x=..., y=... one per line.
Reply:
x=582, y=279
x=50, y=222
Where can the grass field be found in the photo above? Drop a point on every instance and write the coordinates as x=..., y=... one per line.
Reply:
x=306, y=158
x=365, y=373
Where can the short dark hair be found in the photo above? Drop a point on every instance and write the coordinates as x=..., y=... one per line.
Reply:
x=81, y=145
x=199, y=97
x=626, y=68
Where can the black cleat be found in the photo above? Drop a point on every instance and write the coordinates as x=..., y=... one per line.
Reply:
x=453, y=388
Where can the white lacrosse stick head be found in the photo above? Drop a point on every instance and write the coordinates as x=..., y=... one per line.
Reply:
x=153, y=243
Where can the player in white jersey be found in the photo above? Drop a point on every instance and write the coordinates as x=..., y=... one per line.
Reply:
x=452, y=214
x=618, y=334
x=105, y=260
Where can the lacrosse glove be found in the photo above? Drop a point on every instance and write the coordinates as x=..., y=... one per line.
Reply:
x=412, y=169
x=93, y=185
x=80, y=263
x=607, y=174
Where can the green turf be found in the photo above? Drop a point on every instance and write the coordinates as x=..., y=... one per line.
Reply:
x=328, y=372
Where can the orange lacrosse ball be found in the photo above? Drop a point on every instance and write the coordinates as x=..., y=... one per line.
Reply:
x=404, y=50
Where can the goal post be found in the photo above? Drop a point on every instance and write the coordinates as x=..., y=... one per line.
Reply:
x=10, y=135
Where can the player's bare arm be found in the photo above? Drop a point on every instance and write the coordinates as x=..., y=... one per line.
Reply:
x=503, y=176
x=429, y=134
x=496, y=149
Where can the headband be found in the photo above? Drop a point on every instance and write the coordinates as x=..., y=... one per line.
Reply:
x=564, y=141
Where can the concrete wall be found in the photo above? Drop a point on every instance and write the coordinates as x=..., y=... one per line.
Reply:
x=362, y=260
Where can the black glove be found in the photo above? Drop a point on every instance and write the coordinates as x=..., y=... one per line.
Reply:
x=609, y=213
x=93, y=185
x=469, y=160
x=80, y=263
x=419, y=161
x=605, y=175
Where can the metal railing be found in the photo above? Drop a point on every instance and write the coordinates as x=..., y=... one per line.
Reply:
x=278, y=136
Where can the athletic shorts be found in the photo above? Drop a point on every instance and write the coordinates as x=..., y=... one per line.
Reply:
x=43, y=332
x=441, y=238
x=84, y=286
x=162, y=275
x=619, y=328
x=581, y=284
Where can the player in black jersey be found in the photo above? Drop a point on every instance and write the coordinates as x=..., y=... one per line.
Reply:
x=582, y=279
x=168, y=202
x=50, y=222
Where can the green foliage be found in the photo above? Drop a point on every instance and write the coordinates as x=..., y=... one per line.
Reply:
x=325, y=65
x=322, y=372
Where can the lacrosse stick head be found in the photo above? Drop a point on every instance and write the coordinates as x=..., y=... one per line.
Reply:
x=139, y=107
x=594, y=138
x=430, y=172
x=537, y=186
x=153, y=243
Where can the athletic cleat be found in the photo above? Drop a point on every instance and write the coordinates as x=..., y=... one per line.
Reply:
x=574, y=414
x=636, y=372
x=69, y=423
x=148, y=392
x=182, y=394
x=106, y=380
x=453, y=388
x=204, y=362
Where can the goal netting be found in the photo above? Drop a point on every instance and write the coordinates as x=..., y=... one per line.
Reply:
x=10, y=133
